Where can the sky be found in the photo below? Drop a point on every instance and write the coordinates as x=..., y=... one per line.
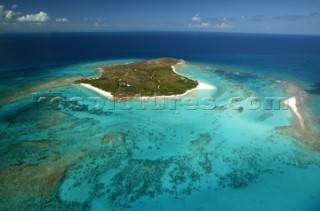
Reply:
x=244, y=16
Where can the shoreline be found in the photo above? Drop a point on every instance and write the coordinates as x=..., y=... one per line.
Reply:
x=293, y=93
x=97, y=90
x=108, y=95
x=292, y=103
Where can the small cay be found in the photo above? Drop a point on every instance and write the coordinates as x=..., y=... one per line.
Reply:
x=144, y=78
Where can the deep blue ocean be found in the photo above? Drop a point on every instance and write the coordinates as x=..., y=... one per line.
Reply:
x=297, y=55
x=81, y=154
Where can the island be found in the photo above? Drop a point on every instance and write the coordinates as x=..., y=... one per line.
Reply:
x=156, y=77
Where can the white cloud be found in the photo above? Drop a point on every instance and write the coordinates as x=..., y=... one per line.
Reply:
x=8, y=14
x=1, y=10
x=204, y=25
x=201, y=25
x=196, y=18
x=62, y=20
x=39, y=17
x=224, y=25
x=14, y=6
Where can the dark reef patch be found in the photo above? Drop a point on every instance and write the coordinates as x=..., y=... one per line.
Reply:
x=238, y=179
x=264, y=117
x=31, y=183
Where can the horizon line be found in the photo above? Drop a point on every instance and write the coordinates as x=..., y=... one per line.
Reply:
x=153, y=31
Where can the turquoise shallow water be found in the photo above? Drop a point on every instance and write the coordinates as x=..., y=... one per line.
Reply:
x=198, y=153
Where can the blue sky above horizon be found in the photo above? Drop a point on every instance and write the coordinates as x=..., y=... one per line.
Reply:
x=247, y=16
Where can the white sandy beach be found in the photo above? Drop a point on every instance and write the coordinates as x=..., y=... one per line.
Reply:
x=292, y=103
x=97, y=90
x=200, y=86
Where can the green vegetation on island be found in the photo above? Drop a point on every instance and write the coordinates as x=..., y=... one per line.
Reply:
x=144, y=78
